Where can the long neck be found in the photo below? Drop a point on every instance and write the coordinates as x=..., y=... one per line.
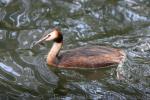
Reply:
x=51, y=58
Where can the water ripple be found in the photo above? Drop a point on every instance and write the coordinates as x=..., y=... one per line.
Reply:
x=9, y=69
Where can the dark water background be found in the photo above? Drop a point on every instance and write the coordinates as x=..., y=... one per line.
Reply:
x=119, y=23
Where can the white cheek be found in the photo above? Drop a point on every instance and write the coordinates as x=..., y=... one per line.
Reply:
x=54, y=36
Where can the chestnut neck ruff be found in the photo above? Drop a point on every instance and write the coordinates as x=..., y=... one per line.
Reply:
x=59, y=39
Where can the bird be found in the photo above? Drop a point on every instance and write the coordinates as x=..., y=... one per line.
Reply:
x=82, y=57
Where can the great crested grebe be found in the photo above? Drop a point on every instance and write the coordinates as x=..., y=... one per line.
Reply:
x=82, y=57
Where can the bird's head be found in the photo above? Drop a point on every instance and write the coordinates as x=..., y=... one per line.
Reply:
x=55, y=35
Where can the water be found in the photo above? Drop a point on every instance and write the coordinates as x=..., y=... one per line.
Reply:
x=24, y=74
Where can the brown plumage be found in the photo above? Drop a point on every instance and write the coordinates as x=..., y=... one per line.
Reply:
x=83, y=57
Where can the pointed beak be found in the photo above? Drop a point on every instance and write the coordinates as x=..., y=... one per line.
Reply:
x=44, y=37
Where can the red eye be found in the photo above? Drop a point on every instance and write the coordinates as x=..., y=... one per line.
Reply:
x=49, y=35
